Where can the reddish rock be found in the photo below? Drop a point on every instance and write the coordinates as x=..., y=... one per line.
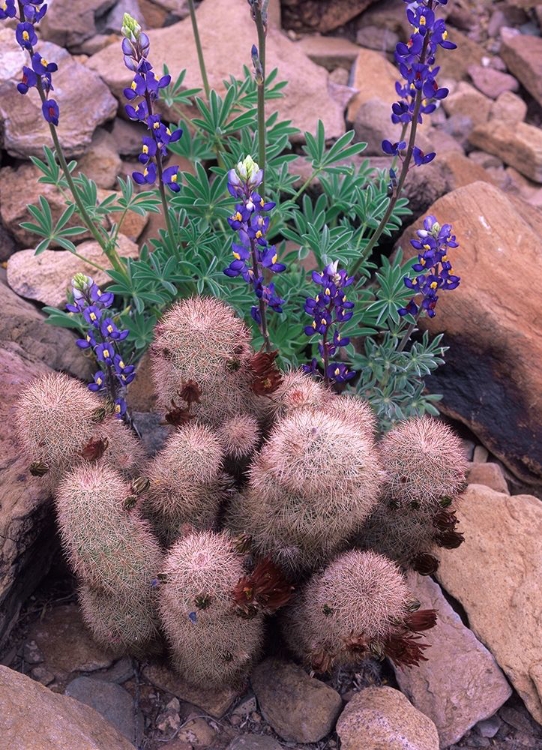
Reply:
x=320, y=15
x=519, y=145
x=492, y=82
x=522, y=53
x=493, y=374
x=489, y=474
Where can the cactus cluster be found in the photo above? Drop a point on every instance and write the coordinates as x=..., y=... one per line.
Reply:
x=270, y=491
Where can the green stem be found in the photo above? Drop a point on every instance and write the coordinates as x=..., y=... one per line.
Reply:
x=408, y=333
x=199, y=48
x=262, y=136
x=87, y=260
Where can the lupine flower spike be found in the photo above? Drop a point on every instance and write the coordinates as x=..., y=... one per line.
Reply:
x=433, y=266
x=253, y=255
x=102, y=337
x=146, y=89
x=330, y=309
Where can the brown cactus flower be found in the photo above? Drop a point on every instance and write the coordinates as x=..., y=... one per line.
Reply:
x=190, y=392
x=450, y=539
x=424, y=564
x=404, y=650
x=423, y=619
x=263, y=590
x=94, y=449
x=267, y=376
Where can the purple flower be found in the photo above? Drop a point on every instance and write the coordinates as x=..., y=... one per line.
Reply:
x=32, y=14
x=339, y=372
x=50, y=111
x=109, y=330
x=29, y=80
x=7, y=9
x=171, y=177
x=26, y=35
x=120, y=407
x=92, y=315
x=421, y=158
x=393, y=149
x=41, y=66
x=147, y=176
x=99, y=383
x=105, y=352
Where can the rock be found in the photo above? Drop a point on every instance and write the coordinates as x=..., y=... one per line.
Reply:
x=69, y=23
x=213, y=701
x=381, y=718
x=455, y=64
x=31, y=716
x=373, y=124
x=460, y=127
x=101, y=162
x=157, y=13
x=46, y=277
x=122, y=670
x=493, y=368
x=523, y=55
x=127, y=137
x=7, y=243
x=298, y=707
x=508, y=108
x=66, y=644
x=484, y=160
x=379, y=39
x=489, y=727
x=490, y=474
x=23, y=325
x=253, y=742
x=480, y=456
x=496, y=575
x=466, y=101
x=42, y=675
x=442, y=142
x=27, y=540
x=519, y=145
x=492, y=82
x=26, y=131
x=460, y=683
x=197, y=732
x=320, y=15
x=112, y=701
x=169, y=720
x=374, y=78
x=224, y=53
x=460, y=170
x=97, y=42
x=329, y=51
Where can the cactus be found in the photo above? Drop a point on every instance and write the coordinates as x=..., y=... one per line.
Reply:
x=359, y=606
x=424, y=462
x=60, y=424
x=239, y=436
x=297, y=391
x=310, y=489
x=201, y=341
x=186, y=483
x=110, y=549
x=211, y=644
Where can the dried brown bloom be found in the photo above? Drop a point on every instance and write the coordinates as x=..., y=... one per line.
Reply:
x=321, y=660
x=94, y=449
x=356, y=645
x=450, y=539
x=404, y=649
x=263, y=590
x=178, y=415
x=38, y=469
x=267, y=376
x=140, y=485
x=190, y=392
x=423, y=619
x=424, y=564
x=445, y=520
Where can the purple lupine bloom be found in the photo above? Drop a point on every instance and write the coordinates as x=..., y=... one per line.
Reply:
x=92, y=314
x=148, y=150
x=99, y=383
x=108, y=329
x=393, y=149
x=7, y=9
x=170, y=178
x=50, y=111
x=120, y=407
x=421, y=158
x=41, y=66
x=141, y=113
x=147, y=176
x=29, y=80
x=26, y=35
x=32, y=14
x=105, y=352
x=433, y=243
x=88, y=342
x=329, y=309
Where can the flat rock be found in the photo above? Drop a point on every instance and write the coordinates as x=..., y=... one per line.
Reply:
x=455, y=64
x=466, y=101
x=101, y=162
x=300, y=708
x=522, y=53
x=306, y=98
x=47, y=276
x=381, y=718
x=253, y=742
x=329, y=51
x=25, y=130
x=69, y=23
x=320, y=15
x=112, y=701
x=460, y=170
x=374, y=77
x=489, y=474
x=508, y=108
x=519, y=145
x=492, y=82
x=27, y=540
x=212, y=701
x=492, y=378
x=460, y=684
x=66, y=644
x=496, y=575
x=31, y=716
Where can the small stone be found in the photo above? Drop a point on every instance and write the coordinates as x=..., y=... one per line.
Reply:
x=198, y=732
x=381, y=718
x=298, y=707
x=520, y=145
x=461, y=171
x=466, y=101
x=489, y=727
x=475, y=741
x=169, y=720
x=492, y=82
x=460, y=127
x=320, y=15
x=518, y=720
x=490, y=475
x=377, y=38
x=523, y=55
x=68, y=23
x=329, y=51
x=101, y=162
x=484, y=160
x=374, y=78
x=508, y=108
x=253, y=742
x=235, y=721
x=127, y=137
x=32, y=654
x=113, y=702
x=121, y=671
x=246, y=707
x=481, y=454
x=42, y=675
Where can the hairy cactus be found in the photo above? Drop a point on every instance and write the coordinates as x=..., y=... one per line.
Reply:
x=239, y=436
x=359, y=606
x=211, y=644
x=310, y=489
x=60, y=424
x=111, y=550
x=200, y=341
x=424, y=463
x=187, y=484
x=297, y=391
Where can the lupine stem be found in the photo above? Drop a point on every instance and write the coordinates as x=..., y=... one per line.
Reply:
x=408, y=333
x=402, y=177
x=160, y=171
x=261, y=303
x=262, y=136
x=199, y=49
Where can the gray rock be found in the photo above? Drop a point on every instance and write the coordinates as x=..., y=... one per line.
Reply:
x=489, y=727
x=380, y=718
x=113, y=702
x=460, y=683
x=122, y=670
x=253, y=742
x=69, y=23
x=492, y=82
x=298, y=707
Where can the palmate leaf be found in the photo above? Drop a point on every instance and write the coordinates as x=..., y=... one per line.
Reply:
x=175, y=93
x=322, y=158
x=43, y=226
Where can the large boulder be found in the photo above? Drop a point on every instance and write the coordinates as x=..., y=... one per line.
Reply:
x=83, y=98
x=492, y=379
x=321, y=15
x=522, y=54
x=69, y=23
x=31, y=716
x=306, y=98
x=496, y=574
x=460, y=684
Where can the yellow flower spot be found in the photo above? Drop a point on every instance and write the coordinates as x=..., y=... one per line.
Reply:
x=314, y=324
x=427, y=247
x=26, y=36
x=106, y=354
x=92, y=316
x=133, y=85
x=145, y=172
x=122, y=365
x=422, y=261
x=422, y=21
x=317, y=298
x=117, y=408
x=99, y=381
x=433, y=285
x=168, y=131
x=338, y=336
x=44, y=62
x=274, y=258
x=444, y=258
x=425, y=102
x=145, y=149
x=237, y=216
x=174, y=178
x=262, y=203
x=109, y=329
x=258, y=234
x=337, y=371
x=156, y=125
x=236, y=256
x=327, y=292
x=323, y=322
x=445, y=35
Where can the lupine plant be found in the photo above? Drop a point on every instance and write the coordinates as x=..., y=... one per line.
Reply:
x=273, y=489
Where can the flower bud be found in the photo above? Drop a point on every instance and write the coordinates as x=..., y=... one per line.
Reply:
x=130, y=28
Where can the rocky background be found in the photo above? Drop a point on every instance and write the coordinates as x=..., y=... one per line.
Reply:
x=482, y=683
